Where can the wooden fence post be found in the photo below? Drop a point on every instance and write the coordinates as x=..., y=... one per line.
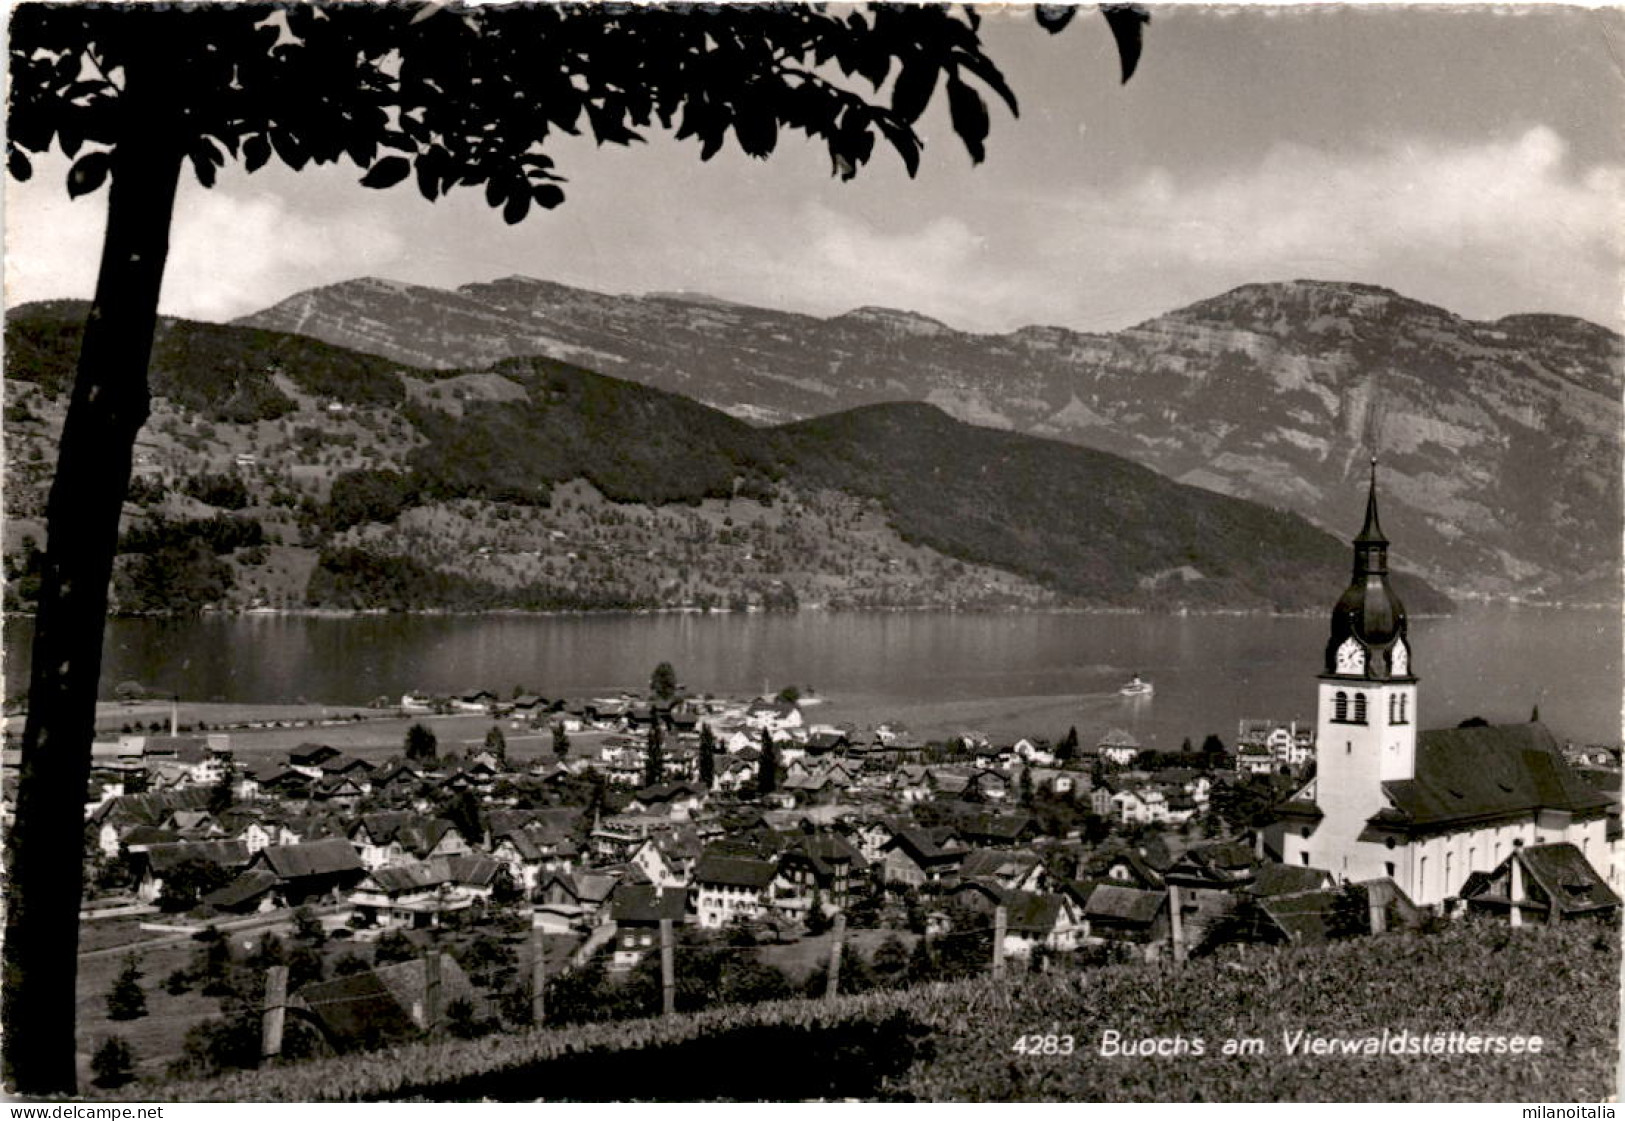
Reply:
x=832, y=983
x=275, y=1013
x=432, y=995
x=1378, y=912
x=1176, y=925
x=538, y=976
x=668, y=978
x=1000, y=921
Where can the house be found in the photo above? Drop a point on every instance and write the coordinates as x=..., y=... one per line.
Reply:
x=389, y=1004
x=415, y=895
x=255, y=835
x=1126, y=914
x=474, y=700
x=987, y=786
x=775, y=717
x=339, y=791
x=736, y=774
x=252, y=891
x=531, y=853
x=1542, y=883
x=577, y=899
x=912, y=784
x=680, y=800
x=160, y=860
x=1139, y=804
x=1059, y=783
x=1129, y=867
x=1049, y=921
x=308, y=758
x=663, y=862
x=823, y=864
x=311, y=871
x=637, y=911
x=995, y=827
x=1011, y=871
x=1254, y=759
x=914, y=857
x=1034, y=753
x=1118, y=747
x=731, y=888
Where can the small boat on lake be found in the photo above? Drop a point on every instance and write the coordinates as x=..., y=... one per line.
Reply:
x=1137, y=688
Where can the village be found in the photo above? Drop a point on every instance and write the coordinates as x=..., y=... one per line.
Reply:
x=743, y=831
x=665, y=850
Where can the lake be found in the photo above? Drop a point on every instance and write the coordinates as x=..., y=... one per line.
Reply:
x=939, y=672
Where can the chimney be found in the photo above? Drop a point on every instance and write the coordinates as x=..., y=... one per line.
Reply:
x=175, y=715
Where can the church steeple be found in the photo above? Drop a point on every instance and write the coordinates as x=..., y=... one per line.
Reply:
x=1368, y=623
x=1371, y=547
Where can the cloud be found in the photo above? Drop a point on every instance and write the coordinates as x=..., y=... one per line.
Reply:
x=232, y=255
x=1482, y=229
x=233, y=249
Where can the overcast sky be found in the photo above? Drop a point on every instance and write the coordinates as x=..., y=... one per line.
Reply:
x=1470, y=158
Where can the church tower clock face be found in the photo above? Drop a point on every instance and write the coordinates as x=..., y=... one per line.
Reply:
x=1350, y=657
x=1400, y=659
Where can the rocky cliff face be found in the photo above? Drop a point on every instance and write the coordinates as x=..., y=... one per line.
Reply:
x=1499, y=442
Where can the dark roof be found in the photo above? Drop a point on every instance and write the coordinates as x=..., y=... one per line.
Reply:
x=313, y=858
x=1109, y=901
x=379, y=1004
x=1567, y=876
x=148, y=835
x=1030, y=913
x=227, y=854
x=645, y=903
x=992, y=862
x=1490, y=771
x=338, y=764
x=312, y=754
x=250, y=885
x=735, y=871
x=150, y=809
x=381, y=827
x=1286, y=879
x=395, y=879
x=1303, y=917
x=824, y=849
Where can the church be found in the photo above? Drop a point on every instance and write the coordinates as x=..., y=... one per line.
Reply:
x=1423, y=809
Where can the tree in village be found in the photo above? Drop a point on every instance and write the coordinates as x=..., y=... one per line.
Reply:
x=497, y=743
x=221, y=794
x=561, y=741
x=708, y=756
x=421, y=746
x=113, y=1064
x=654, y=757
x=663, y=682
x=443, y=95
x=1067, y=750
x=125, y=999
x=767, y=773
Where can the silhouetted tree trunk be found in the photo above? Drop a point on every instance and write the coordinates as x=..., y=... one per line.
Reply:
x=108, y=407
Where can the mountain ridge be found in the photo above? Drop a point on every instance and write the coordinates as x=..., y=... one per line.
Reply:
x=282, y=471
x=1277, y=392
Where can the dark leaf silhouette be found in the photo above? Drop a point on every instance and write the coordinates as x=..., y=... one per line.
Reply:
x=386, y=172
x=1127, y=22
x=88, y=173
